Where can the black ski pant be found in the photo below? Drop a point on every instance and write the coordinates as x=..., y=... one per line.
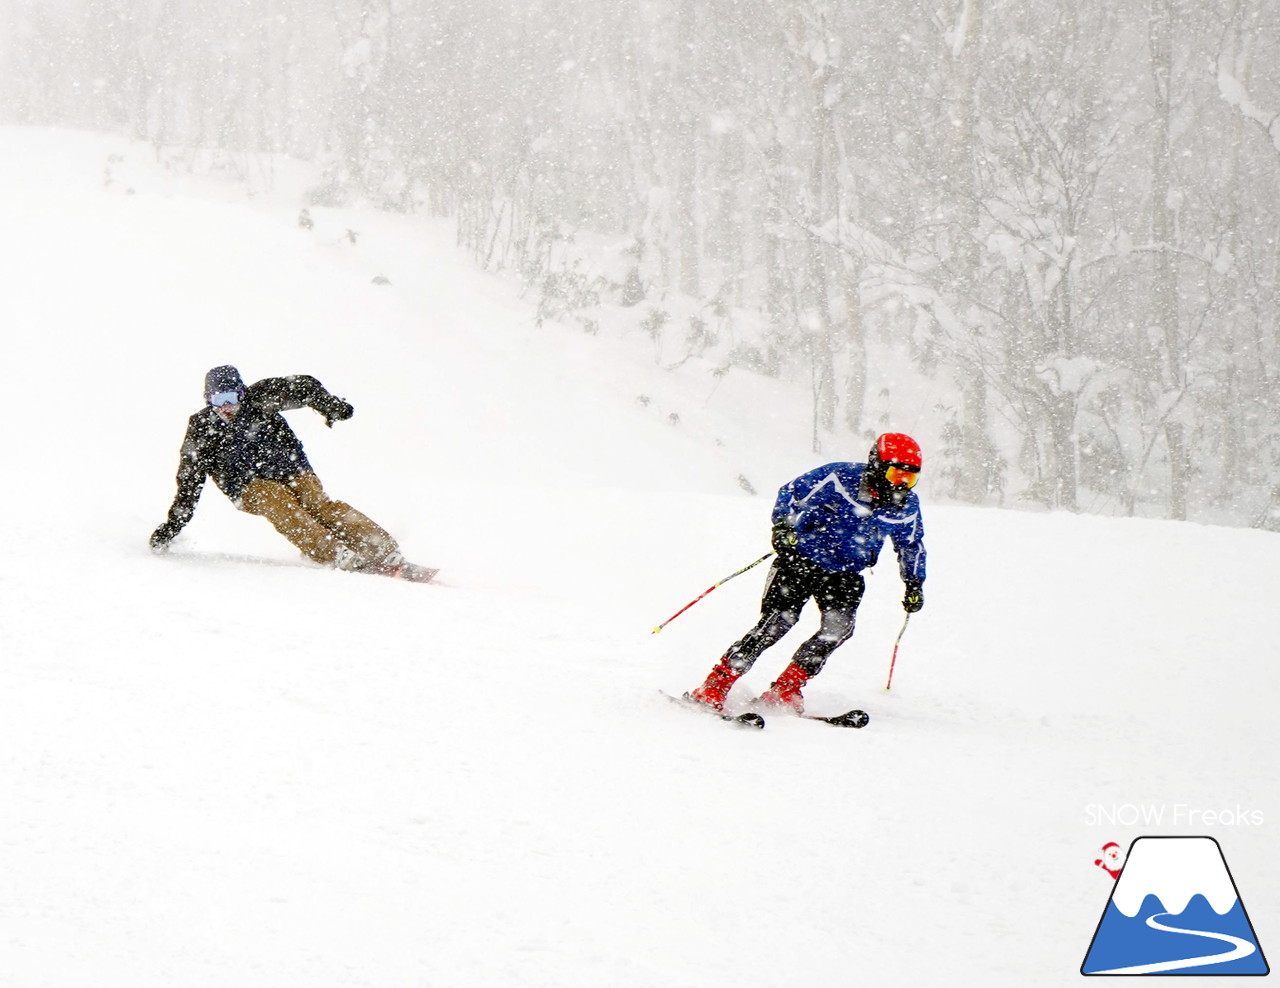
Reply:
x=792, y=580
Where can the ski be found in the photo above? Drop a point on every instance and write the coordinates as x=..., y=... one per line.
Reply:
x=850, y=718
x=749, y=719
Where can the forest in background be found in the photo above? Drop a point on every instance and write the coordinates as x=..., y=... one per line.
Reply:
x=1064, y=215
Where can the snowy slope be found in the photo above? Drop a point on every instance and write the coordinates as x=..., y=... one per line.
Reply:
x=225, y=767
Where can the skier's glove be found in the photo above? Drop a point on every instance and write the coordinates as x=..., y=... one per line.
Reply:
x=784, y=537
x=337, y=411
x=913, y=598
x=162, y=536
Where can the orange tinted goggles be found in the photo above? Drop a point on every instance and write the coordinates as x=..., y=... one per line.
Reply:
x=901, y=475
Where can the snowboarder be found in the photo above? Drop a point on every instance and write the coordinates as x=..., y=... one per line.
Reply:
x=241, y=440
x=828, y=525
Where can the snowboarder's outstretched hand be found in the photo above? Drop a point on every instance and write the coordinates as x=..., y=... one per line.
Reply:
x=162, y=536
x=913, y=598
x=337, y=411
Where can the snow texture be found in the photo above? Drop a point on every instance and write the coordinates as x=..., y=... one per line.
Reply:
x=226, y=767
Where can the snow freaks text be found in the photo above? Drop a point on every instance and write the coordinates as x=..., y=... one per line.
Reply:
x=1170, y=814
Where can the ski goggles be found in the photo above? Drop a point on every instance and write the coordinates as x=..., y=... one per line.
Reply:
x=902, y=475
x=224, y=398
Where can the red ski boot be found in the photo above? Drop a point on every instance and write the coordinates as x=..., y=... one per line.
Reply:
x=717, y=686
x=784, y=694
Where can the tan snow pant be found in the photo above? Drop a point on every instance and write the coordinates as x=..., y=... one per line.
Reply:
x=304, y=514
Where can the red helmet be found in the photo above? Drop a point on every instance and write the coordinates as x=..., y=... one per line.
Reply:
x=893, y=466
x=898, y=447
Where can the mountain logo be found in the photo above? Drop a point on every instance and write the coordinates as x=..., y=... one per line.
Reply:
x=1175, y=910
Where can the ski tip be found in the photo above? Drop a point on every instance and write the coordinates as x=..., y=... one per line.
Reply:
x=850, y=718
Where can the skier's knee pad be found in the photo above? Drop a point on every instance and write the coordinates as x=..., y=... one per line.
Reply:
x=835, y=634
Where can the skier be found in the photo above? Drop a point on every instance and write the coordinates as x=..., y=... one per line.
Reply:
x=828, y=525
x=241, y=440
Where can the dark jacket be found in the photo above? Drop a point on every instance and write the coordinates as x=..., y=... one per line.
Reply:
x=258, y=442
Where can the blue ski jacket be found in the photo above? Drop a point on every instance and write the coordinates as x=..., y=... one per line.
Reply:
x=841, y=525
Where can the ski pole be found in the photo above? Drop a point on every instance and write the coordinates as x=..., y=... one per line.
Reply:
x=708, y=590
x=894, y=660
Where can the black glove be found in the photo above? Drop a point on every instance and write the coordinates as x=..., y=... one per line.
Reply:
x=337, y=411
x=784, y=537
x=913, y=598
x=163, y=535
